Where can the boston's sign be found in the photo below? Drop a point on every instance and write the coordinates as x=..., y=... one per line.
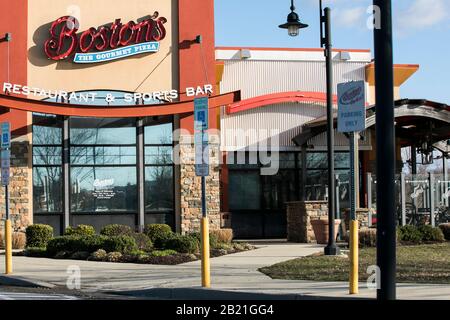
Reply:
x=105, y=43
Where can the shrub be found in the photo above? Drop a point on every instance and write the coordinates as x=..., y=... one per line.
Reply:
x=163, y=253
x=18, y=240
x=409, y=234
x=115, y=230
x=99, y=255
x=431, y=234
x=35, y=252
x=223, y=235
x=367, y=237
x=120, y=244
x=80, y=230
x=158, y=233
x=80, y=255
x=38, y=235
x=76, y=243
x=214, y=242
x=62, y=255
x=445, y=228
x=143, y=242
x=182, y=244
x=133, y=256
x=168, y=260
x=114, y=257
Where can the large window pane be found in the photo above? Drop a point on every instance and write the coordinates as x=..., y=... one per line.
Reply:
x=244, y=190
x=47, y=155
x=317, y=160
x=342, y=160
x=158, y=155
x=47, y=189
x=109, y=189
x=158, y=134
x=102, y=155
x=279, y=189
x=159, y=188
x=102, y=131
x=47, y=129
x=316, y=182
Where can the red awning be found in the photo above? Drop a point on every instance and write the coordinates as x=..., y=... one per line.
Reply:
x=17, y=103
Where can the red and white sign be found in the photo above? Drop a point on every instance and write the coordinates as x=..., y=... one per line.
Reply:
x=119, y=40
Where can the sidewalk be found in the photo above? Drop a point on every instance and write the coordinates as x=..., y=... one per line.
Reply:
x=233, y=276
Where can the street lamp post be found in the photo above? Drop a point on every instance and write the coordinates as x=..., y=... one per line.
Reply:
x=384, y=93
x=293, y=25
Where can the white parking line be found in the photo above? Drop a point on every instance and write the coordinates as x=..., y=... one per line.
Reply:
x=34, y=296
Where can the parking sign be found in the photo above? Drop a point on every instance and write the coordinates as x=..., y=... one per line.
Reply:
x=6, y=135
x=351, y=106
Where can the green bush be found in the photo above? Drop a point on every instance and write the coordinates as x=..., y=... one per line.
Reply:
x=114, y=230
x=445, y=228
x=409, y=234
x=99, y=255
x=80, y=230
x=214, y=242
x=35, y=252
x=80, y=255
x=38, y=235
x=114, y=257
x=143, y=242
x=75, y=243
x=182, y=244
x=163, y=253
x=431, y=234
x=158, y=233
x=121, y=244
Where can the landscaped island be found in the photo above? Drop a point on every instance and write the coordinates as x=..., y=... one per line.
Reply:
x=119, y=243
x=423, y=256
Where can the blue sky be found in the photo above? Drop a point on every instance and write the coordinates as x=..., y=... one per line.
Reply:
x=421, y=34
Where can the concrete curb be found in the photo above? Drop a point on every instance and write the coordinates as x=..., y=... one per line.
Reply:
x=211, y=294
x=17, y=281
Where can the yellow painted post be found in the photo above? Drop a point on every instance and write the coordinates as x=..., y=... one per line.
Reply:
x=206, y=276
x=8, y=247
x=354, y=241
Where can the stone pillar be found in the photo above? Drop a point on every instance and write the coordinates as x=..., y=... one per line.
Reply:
x=190, y=186
x=20, y=187
x=362, y=215
x=299, y=216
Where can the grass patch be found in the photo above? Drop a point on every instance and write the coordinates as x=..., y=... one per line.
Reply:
x=428, y=263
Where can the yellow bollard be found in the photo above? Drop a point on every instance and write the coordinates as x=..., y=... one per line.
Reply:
x=206, y=277
x=354, y=242
x=8, y=247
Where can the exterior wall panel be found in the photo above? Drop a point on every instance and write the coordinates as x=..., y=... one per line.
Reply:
x=261, y=77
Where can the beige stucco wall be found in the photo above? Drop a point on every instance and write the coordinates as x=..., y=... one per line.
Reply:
x=156, y=71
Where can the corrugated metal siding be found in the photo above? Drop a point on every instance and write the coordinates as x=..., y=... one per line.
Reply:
x=255, y=78
x=256, y=126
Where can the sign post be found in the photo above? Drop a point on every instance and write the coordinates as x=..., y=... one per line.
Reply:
x=352, y=119
x=5, y=168
x=202, y=169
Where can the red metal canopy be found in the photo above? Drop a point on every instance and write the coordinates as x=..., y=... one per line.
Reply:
x=17, y=103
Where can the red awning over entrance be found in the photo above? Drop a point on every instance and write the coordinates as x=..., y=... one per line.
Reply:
x=63, y=109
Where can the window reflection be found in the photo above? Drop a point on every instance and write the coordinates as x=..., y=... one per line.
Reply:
x=100, y=189
x=47, y=189
x=159, y=188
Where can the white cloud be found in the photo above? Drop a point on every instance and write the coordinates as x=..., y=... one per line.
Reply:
x=350, y=17
x=422, y=14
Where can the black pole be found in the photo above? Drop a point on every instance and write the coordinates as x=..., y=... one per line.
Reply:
x=331, y=248
x=385, y=144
